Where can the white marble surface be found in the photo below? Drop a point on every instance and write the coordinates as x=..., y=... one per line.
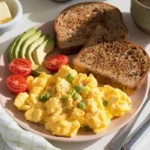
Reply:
x=39, y=11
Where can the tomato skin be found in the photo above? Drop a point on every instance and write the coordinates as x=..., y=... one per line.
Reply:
x=20, y=66
x=53, y=63
x=16, y=84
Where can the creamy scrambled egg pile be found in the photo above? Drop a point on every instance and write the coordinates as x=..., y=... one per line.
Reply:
x=68, y=100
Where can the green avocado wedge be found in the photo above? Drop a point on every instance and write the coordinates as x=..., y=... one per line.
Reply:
x=41, y=51
x=50, y=45
x=23, y=37
x=30, y=40
x=32, y=47
x=38, y=53
x=36, y=70
x=12, y=47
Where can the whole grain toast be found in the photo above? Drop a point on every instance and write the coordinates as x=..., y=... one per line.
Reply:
x=75, y=24
x=112, y=61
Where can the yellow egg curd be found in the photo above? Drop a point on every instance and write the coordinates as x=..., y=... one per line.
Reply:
x=68, y=101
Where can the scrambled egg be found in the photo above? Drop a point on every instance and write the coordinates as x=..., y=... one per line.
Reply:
x=68, y=100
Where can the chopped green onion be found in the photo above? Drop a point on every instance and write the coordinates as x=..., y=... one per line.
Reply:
x=82, y=105
x=65, y=97
x=105, y=103
x=87, y=128
x=70, y=77
x=44, y=98
x=83, y=89
x=76, y=96
x=80, y=89
x=41, y=97
x=47, y=96
x=70, y=92
x=77, y=88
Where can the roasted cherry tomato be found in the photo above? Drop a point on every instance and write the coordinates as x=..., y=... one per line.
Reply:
x=53, y=63
x=20, y=66
x=16, y=84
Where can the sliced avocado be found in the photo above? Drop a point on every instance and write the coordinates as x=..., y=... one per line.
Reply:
x=25, y=36
x=26, y=43
x=37, y=69
x=12, y=47
x=32, y=47
x=40, y=52
x=50, y=45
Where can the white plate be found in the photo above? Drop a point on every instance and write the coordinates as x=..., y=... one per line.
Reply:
x=7, y=99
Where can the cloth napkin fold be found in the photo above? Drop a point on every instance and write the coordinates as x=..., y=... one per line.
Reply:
x=13, y=137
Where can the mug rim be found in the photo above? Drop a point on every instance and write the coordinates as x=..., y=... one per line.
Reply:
x=142, y=4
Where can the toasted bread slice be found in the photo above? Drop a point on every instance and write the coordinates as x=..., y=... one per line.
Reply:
x=75, y=24
x=112, y=61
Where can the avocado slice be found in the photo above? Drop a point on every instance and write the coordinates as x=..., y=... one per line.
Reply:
x=37, y=69
x=25, y=45
x=38, y=53
x=25, y=36
x=12, y=47
x=41, y=51
x=50, y=45
x=32, y=47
